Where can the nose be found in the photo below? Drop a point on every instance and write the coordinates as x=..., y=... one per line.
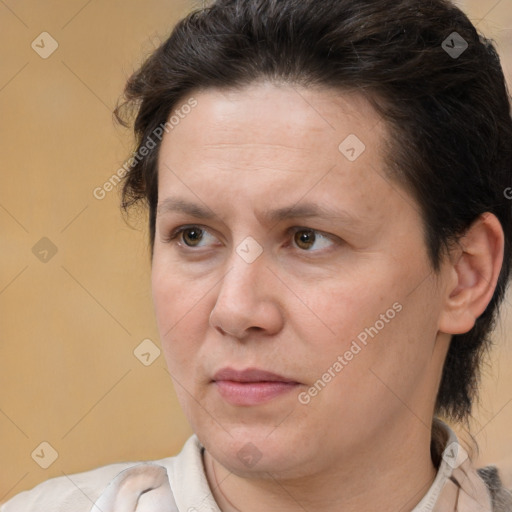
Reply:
x=247, y=301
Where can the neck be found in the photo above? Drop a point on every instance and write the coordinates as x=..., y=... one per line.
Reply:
x=387, y=476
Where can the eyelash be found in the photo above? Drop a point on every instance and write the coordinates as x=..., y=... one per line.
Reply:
x=179, y=230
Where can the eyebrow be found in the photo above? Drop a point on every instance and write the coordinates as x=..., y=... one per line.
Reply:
x=302, y=210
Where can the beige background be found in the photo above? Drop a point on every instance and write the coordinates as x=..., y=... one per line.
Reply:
x=69, y=326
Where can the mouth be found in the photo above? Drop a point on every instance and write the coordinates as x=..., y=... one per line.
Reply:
x=251, y=386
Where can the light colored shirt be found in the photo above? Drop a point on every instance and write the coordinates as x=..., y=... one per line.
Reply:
x=179, y=484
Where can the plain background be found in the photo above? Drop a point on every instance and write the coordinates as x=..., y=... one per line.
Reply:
x=69, y=325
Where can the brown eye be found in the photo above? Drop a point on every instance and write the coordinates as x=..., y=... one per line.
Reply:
x=189, y=236
x=194, y=235
x=304, y=238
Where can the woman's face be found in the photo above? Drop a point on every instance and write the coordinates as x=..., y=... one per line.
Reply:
x=301, y=258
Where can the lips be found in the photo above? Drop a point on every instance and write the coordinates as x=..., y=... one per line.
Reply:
x=251, y=386
x=250, y=375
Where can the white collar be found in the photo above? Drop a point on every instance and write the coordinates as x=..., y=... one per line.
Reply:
x=457, y=486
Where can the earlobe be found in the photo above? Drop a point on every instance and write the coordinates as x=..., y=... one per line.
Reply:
x=473, y=274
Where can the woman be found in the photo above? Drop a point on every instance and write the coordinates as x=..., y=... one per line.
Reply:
x=330, y=239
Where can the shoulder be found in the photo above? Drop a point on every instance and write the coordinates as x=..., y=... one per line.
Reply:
x=80, y=491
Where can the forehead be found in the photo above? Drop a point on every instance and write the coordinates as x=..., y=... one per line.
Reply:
x=266, y=142
x=299, y=119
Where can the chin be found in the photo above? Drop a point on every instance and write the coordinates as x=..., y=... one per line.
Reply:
x=255, y=450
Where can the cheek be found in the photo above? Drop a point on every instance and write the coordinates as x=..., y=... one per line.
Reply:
x=172, y=295
x=366, y=321
x=177, y=309
x=163, y=290
x=345, y=307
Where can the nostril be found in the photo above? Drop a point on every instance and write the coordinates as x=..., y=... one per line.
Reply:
x=224, y=331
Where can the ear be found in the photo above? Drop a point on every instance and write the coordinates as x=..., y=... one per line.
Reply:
x=473, y=271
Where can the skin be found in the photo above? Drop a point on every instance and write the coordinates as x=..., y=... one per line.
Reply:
x=362, y=443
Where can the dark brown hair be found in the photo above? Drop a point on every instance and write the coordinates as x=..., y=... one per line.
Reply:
x=448, y=114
